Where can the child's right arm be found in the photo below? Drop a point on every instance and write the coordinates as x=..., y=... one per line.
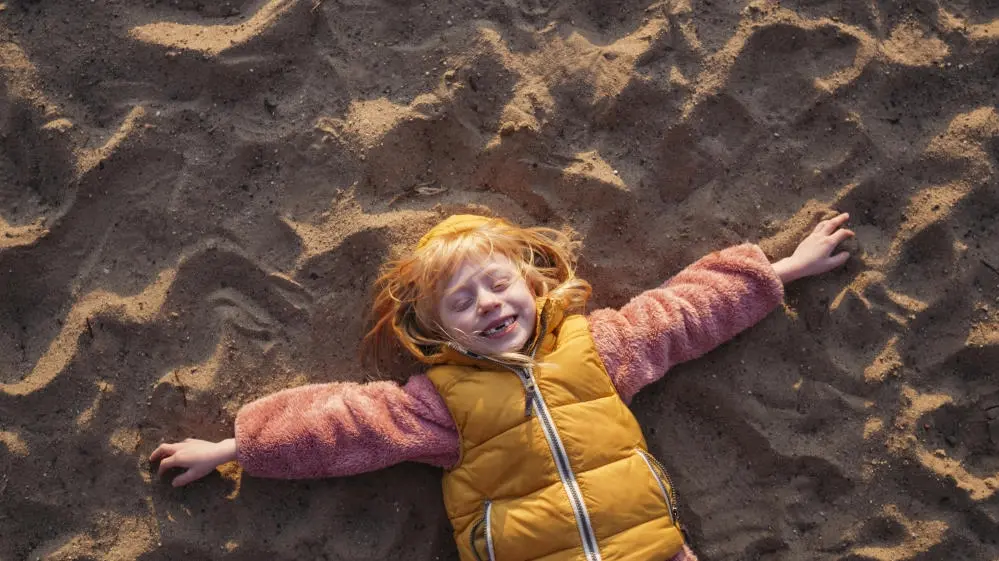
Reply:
x=326, y=430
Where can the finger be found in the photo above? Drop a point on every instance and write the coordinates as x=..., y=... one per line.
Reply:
x=840, y=235
x=166, y=464
x=187, y=477
x=835, y=222
x=162, y=451
x=838, y=259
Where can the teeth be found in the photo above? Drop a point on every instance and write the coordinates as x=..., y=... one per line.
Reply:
x=499, y=327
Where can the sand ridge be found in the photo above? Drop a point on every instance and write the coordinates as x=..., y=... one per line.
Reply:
x=195, y=198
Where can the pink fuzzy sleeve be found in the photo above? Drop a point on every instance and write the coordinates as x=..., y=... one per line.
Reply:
x=700, y=308
x=326, y=430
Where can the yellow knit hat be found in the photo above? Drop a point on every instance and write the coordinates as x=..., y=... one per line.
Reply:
x=455, y=225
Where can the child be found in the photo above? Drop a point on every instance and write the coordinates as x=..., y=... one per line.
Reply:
x=524, y=401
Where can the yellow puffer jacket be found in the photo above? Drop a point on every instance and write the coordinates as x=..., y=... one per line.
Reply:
x=554, y=465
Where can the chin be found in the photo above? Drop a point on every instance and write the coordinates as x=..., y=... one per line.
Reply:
x=517, y=345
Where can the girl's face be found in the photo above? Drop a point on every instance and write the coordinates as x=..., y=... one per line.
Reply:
x=487, y=306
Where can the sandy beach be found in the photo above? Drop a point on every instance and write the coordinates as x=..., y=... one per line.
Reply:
x=195, y=198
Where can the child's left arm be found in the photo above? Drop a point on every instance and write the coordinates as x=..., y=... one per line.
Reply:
x=704, y=305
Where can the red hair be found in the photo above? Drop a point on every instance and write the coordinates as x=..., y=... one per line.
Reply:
x=408, y=289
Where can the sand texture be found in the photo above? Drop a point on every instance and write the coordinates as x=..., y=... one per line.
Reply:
x=195, y=197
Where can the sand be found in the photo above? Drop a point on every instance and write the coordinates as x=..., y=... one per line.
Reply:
x=195, y=196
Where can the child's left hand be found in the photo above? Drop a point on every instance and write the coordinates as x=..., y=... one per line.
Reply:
x=813, y=255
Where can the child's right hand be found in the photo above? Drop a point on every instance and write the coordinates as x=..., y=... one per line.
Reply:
x=814, y=255
x=200, y=457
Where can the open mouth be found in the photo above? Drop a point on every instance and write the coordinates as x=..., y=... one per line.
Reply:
x=499, y=328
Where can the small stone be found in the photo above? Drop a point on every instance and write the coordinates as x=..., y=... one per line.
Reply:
x=951, y=441
x=992, y=413
x=939, y=453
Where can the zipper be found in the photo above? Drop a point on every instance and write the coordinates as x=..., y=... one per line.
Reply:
x=529, y=389
x=471, y=540
x=486, y=525
x=667, y=488
x=590, y=549
x=490, y=551
x=535, y=401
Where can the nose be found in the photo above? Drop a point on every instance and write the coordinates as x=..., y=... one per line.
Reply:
x=487, y=302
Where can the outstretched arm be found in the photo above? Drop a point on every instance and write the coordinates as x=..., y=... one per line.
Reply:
x=700, y=308
x=705, y=305
x=325, y=430
x=337, y=429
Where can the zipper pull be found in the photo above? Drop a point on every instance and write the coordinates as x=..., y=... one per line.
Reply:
x=529, y=390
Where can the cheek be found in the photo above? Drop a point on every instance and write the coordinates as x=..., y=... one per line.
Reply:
x=526, y=296
x=454, y=323
x=447, y=320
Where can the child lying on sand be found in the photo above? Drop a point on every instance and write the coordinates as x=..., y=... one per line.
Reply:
x=524, y=400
